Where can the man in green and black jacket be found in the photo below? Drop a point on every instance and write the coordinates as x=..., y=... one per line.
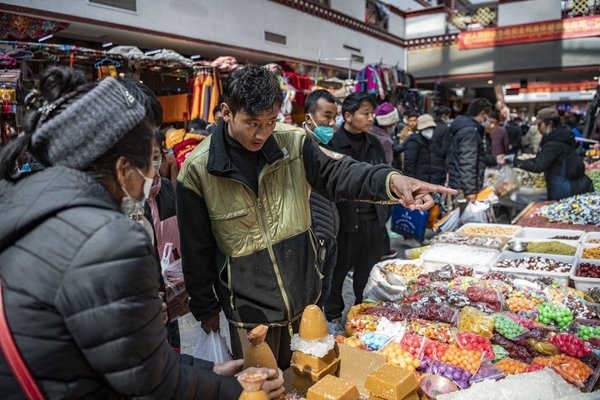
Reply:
x=244, y=213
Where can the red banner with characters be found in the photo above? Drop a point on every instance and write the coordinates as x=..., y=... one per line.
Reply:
x=527, y=33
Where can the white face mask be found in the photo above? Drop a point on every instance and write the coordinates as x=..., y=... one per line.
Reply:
x=130, y=205
x=427, y=133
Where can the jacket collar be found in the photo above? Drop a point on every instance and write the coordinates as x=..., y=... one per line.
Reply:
x=219, y=161
x=343, y=138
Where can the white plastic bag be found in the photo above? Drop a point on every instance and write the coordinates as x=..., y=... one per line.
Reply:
x=212, y=347
x=379, y=288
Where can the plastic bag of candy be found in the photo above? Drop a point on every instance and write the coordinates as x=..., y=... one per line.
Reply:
x=487, y=371
x=556, y=313
x=396, y=355
x=413, y=344
x=449, y=272
x=374, y=340
x=489, y=296
x=434, y=350
x=508, y=328
x=511, y=366
x=571, y=369
x=456, y=374
x=392, y=311
x=543, y=347
x=499, y=352
x=570, y=344
x=361, y=323
x=514, y=350
x=436, y=312
x=475, y=321
x=580, y=308
x=469, y=360
x=432, y=330
x=472, y=341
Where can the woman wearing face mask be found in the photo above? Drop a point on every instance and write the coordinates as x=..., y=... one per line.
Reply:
x=563, y=169
x=422, y=157
x=78, y=278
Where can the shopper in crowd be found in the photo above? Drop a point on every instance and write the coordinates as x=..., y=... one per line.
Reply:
x=361, y=241
x=423, y=159
x=79, y=278
x=217, y=114
x=531, y=141
x=563, y=169
x=386, y=118
x=411, y=126
x=244, y=212
x=467, y=158
x=441, y=134
x=320, y=108
x=168, y=164
x=197, y=125
x=515, y=133
x=500, y=143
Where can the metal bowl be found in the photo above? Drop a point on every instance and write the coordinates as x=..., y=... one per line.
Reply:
x=434, y=385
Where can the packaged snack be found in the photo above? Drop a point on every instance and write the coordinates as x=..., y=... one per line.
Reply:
x=534, y=367
x=361, y=323
x=571, y=369
x=374, y=340
x=507, y=327
x=432, y=330
x=499, y=352
x=434, y=350
x=392, y=311
x=469, y=360
x=472, y=341
x=352, y=341
x=436, y=312
x=475, y=321
x=570, y=345
x=485, y=295
x=413, y=344
x=511, y=366
x=560, y=314
x=395, y=355
x=543, y=347
x=488, y=371
x=514, y=350
x=456, y=374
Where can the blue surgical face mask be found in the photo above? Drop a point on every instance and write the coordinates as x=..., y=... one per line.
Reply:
x=339, y=120
x=322, y=133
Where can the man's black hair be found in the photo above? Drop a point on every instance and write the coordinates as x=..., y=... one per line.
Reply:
x=411, y=114
x=216, y=110
x=252, y=89
x=478, y=105
x=310, y=103
x=197, y=125
x=442, y=110
x=145, y=95
x=354, y=100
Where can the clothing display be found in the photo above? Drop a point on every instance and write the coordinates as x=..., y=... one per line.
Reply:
x=206, y=92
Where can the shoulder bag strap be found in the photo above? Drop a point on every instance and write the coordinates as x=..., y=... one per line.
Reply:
x=14, y=359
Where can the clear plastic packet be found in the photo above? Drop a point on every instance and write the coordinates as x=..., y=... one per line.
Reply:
x=394, y=329
x=374, y=340
x=510, y=366
x=514, y=350
x=469, y=360
x=488, y=371
x=436, y=312
x=571, y=369
x=392, y=311
x=481, y=294
x=431, y=330
x=472, y=341
x=499, y=352
x=534, y=367
x=557, y=313
x=543, y=347
x=396, y=355
x=413, y=344
x=507, y=181
x=509, y=328
x=585, y=329
x=475, y=321
x=580, y=308
x=361, y=323
x=456, y=374
x=433, y=349
x=570, y=344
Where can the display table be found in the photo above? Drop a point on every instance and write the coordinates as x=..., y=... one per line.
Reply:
x=529, y=218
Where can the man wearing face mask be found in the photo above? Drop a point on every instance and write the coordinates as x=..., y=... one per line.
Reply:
x=563, y=169
x=467, y=157
x=321, y=108
x=422, y=157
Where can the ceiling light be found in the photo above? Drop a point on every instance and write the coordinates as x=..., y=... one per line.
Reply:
x=195, y=57
x=490, y=82
x=45, y=38
x=107, y=44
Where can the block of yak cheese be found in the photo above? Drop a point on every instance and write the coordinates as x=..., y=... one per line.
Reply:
x=391, y=383
x=412, y=396
x=301, y=385
x=333, y=388
x=330, y=369
x=306, y=361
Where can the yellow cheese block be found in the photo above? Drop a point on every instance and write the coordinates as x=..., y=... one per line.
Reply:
x=306, y=361
x=313, y=325
x=332, y=388
x=330, y=369
x=391, y=383
x=412, y=396
x=301, y=385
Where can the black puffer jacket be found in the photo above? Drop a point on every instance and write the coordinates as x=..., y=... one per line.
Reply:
x=324, y=215
x=467, y=158
x=80, y=288
x=423, y=160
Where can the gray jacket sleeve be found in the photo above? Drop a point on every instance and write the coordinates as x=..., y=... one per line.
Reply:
x=109, y=301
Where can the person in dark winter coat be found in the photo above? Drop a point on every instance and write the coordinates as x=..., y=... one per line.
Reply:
x=563, y=169
x=515, y=133
x=386, y=117
x=422, y=158
x=468, y=158
x=320, y=109
x=499, y=141
x=441, y=134
x=79, y=278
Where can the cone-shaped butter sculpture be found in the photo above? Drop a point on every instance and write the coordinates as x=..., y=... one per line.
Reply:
x=259, y=354
x=313, y=325
x=251, y=383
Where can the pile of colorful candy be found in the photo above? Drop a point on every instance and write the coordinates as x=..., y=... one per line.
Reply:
x=549, y=312
x=471, y=341
x=571, y=369
x=579, y=210
x=396, y=355
x=570, y=345
x=511, y=366
x=507, y=327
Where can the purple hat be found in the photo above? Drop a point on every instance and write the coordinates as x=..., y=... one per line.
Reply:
x=386, y=114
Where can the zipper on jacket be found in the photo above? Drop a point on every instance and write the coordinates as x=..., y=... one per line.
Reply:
x=315, y=251
x=229, y=284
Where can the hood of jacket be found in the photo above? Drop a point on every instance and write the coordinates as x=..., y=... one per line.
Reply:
x=562, y=133
x=463, y=121
x=37, y=196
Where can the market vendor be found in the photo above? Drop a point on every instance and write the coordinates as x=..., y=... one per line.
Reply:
x=243, y=209
x=563, y=169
